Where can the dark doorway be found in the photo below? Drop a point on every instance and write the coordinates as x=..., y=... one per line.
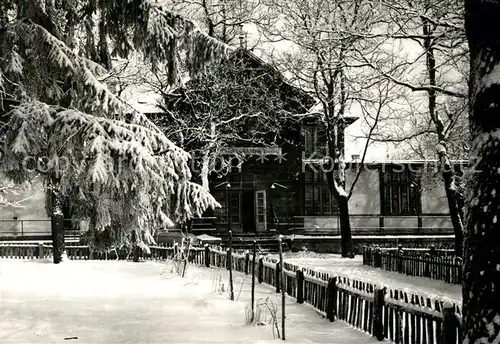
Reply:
x=248, y=211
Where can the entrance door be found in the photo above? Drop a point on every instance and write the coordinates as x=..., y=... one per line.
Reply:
x=260, y=211
x=248, y=210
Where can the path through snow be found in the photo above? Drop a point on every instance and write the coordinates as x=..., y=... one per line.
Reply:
x=125, y=302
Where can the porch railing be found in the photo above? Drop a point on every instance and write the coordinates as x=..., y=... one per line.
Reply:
x=12, y=229
x=379, y=224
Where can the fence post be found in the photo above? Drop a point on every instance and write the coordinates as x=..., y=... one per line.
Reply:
x=230, y=265
x=207, y=255
x=300, y=286
x=400, y=259
x=283, y=287
x=378, y=303
x=459, y=263
x=331, y=310
x=40, y=251
x=377, y=257
x=277, y=277
x=427, y=263
x=449, y=326
x=247, y=261
x=261, y=270
x=176, y=250
x=254, y=253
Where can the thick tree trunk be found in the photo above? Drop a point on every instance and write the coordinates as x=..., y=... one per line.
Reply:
x=345, y=228
x=481, y=285
x=57, y=221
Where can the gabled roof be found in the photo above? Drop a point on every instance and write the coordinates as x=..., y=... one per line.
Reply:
x=315, y=110
x=243, y=52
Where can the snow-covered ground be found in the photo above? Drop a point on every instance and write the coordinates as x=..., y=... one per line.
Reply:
x=354, y=269
x=125, y=302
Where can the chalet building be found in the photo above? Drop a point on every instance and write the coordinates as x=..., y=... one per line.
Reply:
x=280, y=187
x=283, y=189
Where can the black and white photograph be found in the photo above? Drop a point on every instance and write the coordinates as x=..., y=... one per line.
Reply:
x=249, y=171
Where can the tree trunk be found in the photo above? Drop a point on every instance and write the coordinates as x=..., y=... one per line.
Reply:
x=343, y=207
x=454, y=203
x=456, y=220
x=57, y=220
x=205, y=162
x=345, y=228
x=481, y=301
x=135, y=247
x=204, y=170
x=446, y=168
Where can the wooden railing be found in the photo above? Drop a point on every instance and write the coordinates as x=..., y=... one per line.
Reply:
x=385, y=313
x=431, y=263
x=374, y=224
x=15, y=228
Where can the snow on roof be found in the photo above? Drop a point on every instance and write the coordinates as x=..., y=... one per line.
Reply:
x=383, y=161
x=409, y=161
x=316, y=108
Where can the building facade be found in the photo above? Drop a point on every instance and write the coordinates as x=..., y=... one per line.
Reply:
x=281, y=187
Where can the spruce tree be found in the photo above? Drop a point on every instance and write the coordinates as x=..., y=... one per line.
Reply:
x=120, y=172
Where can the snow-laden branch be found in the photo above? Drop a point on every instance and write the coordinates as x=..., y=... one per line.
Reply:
x=190, y=27
x=109, y=157
x=8, y=188
x=240, y=117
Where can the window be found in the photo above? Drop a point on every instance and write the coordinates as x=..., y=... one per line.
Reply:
x=401, y=191
x=235, y=207
x=261, y=207
x=221, y=213
x=283, y=206
x=314, y=141
x=318, y=198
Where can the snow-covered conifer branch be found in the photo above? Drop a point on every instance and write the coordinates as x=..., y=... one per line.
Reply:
x=8, y=188
x=109, y=158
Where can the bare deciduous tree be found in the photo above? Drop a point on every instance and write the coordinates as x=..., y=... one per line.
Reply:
x=432, y=72
x=239, y=101
x=324, y=38
x=222, y=19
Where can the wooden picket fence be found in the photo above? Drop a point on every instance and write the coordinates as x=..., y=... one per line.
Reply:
x=384, y=313
x=431, y=263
